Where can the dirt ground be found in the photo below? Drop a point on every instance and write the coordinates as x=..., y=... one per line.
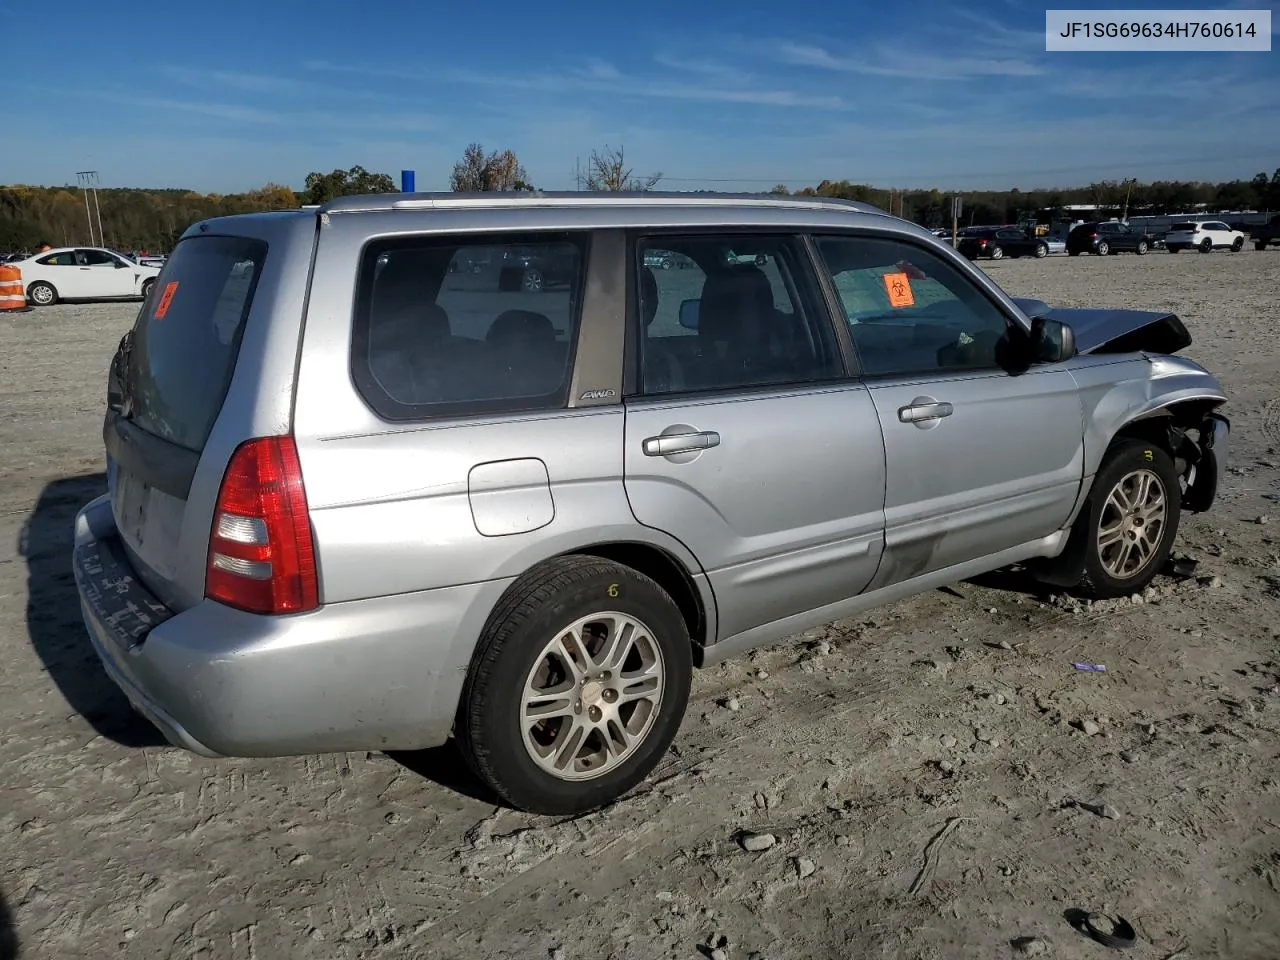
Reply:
x=958, y=711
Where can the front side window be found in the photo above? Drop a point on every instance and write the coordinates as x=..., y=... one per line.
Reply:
x=95, y=258
x=730, y=312
x=909, y=311
x=450, y=327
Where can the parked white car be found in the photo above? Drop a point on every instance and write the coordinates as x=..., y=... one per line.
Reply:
x=84, y=273
x=1206, y=236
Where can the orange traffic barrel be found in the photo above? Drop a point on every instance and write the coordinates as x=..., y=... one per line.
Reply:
x=12, y=297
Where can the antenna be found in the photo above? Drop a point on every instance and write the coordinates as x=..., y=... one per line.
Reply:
x=88, y=180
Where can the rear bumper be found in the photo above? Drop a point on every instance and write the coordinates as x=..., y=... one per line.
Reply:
x=380, y=674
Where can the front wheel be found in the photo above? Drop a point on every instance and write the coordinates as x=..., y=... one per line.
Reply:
x=146, y=288
x=577, y=688
x=42, y=294
x=1237, y=244
x=1130, y=520
x=532, y=281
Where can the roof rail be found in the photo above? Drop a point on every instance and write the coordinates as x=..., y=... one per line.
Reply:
x=570, y=198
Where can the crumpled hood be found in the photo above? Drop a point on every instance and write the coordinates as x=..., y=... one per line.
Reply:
x=1100, y=330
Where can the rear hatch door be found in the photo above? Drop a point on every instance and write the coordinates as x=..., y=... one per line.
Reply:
x=167, y=386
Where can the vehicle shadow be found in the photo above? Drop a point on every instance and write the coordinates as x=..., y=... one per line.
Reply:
x=53, y=614
x=445, y=767
x=8, y=933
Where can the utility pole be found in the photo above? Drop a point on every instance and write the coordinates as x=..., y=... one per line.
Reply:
x=1128, y=190
x=957, y=207
x=88, y=180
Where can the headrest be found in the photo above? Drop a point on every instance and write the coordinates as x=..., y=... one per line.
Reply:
x=648, y=295
x=737, y=296
x=521, y=328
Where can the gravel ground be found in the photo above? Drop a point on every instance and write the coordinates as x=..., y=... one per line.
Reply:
x=936, y=780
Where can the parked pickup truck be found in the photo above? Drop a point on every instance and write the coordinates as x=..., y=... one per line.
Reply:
x=1266, y=233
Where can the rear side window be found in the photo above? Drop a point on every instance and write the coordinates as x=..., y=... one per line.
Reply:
x=450, y=327
x=187, y=337
x=1183, y=226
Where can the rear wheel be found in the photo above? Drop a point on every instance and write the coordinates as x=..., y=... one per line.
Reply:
x=996, y=252
x=1103, y=248
x=532, y=281
x=146, y=288
x=577, y=688
x=1259, y=244
x=1042, y=250
x=42, y=294
x=1172, y=249
x=1206, y=246
x=1129, y=521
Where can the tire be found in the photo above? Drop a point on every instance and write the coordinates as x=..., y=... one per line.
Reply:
x=1073, y=253
x=761, y=259
x=42, y=294
x=1206, y=246
x=515, y=649
x=1260, y=245
x=1103, y=248
x=1141, y=248
x=1172, y=249
x=1237, y=244
x=1042, y=251
x=532, y=281
x=147, y=285
x=996, y=252
x=1107, y=573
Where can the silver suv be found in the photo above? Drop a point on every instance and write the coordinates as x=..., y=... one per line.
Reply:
x=371, y=488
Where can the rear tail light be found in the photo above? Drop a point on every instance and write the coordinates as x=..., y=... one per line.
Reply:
x=1093, y=236
x=261, y=553
x=982, y=243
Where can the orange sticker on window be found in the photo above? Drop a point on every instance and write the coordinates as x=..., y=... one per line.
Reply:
x=899, y=289
x=163, y=306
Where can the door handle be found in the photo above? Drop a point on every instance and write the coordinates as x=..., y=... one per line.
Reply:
x=665, y=446
x=922, y=409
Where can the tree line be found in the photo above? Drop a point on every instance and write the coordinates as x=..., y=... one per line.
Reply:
x=138, y=219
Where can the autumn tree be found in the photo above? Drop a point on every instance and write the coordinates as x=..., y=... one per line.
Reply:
x=478, y=172
x=273, y=196
x=608, y=170
x=323, y=187
x=780, y=189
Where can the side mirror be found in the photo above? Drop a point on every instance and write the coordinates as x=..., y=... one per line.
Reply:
x=1052, y=341
x=689, y=314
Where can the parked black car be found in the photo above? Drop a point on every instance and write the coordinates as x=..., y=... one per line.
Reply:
x=1266, y=233
x=1109, y=236
x=998, y=242
x=536, y=270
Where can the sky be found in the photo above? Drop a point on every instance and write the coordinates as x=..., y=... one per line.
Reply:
x=717, y=94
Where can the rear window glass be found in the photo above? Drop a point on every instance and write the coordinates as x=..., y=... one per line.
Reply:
x=1183, y=226
x=187, y=337
x=450, y=328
